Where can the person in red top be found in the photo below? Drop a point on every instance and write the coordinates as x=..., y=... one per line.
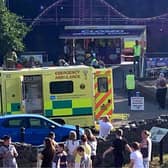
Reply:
x=19, y=65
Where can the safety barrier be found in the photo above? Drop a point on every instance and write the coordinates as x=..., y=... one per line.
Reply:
x=115, y=117
x=119, y=116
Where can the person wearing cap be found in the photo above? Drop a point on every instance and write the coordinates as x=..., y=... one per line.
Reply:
x=8, y=153
x=105, y=126
x=161, y=91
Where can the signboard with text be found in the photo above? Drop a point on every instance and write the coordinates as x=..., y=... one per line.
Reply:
x=137, y=103
x=157, y=133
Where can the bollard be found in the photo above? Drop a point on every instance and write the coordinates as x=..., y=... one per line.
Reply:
x=161, y=152
x=77, y=132
x=22, y=134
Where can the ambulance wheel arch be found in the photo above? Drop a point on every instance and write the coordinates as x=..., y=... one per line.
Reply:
x=59, y=121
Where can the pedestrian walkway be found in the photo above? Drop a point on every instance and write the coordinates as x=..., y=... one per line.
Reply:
x=151, y=109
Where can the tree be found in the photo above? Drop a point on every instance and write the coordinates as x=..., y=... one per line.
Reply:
x=12, y=31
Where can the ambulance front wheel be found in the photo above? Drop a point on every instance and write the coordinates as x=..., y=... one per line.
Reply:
x=59, y=121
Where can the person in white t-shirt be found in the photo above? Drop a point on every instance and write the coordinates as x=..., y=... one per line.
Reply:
x=136, y=156
x=105, y=127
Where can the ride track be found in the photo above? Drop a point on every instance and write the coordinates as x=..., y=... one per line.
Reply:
x=111, y=14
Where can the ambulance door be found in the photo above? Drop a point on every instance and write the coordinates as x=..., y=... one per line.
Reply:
x=1, y=107
x=103, y=92
x=32, y=94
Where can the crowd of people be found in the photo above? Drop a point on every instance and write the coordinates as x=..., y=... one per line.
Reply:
x=81, y=153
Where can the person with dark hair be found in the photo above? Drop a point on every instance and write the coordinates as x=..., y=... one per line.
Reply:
x=51, y=135
x=11, y=59
x=130, y=85
x=85, y=161
x=60, y=158
x=161, y=91
x=136, y=156
x=47, y=153
x=92, y=141
x=119, y=145
x=86, y=147
x=62, y=62
x=84, y=142
x=8, y=153
x=146, y=147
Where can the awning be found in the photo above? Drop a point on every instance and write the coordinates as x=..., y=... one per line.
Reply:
x=85, y=32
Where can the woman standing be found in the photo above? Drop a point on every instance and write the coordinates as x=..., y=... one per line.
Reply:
x=92, y=141
x=48, y=153
x=71, y=145
x=146, y=148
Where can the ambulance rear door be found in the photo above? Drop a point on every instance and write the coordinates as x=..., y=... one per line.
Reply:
x=32, y=94
x=103, y=92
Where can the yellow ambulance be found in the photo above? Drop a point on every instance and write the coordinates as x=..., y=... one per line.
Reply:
x=75, y=95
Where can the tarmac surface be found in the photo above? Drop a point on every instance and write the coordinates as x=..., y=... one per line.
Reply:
x=151, y=108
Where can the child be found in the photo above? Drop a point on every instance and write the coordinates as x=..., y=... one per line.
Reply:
x=136, y=156
x=85, y=161
x=60, y=158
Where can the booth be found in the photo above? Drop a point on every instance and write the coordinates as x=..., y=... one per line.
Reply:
x=111, y=44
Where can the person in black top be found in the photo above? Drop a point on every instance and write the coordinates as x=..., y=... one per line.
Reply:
x=118, y=147
x=60, y=158
x=48, y=153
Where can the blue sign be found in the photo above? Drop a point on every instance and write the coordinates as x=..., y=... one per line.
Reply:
x=101, y=32
x=157, y=62
x=52, y=97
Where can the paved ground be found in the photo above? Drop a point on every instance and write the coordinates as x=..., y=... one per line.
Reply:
x=151, y=109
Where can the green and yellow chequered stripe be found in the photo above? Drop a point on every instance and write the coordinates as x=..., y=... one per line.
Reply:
x=13, y=108
x=68, y=107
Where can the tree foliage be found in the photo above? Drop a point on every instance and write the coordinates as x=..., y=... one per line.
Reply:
x=12, y=31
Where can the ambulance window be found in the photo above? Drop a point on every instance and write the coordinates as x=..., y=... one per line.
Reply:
x=102, y=84
x=61, y=87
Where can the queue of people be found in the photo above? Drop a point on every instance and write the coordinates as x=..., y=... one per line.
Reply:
x=74, y=153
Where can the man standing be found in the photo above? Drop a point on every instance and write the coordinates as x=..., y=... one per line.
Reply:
x=161, y=91
x=130, y=85
x=8, y=153
x=118, y=147
x=137, y=51
x=105, y=127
